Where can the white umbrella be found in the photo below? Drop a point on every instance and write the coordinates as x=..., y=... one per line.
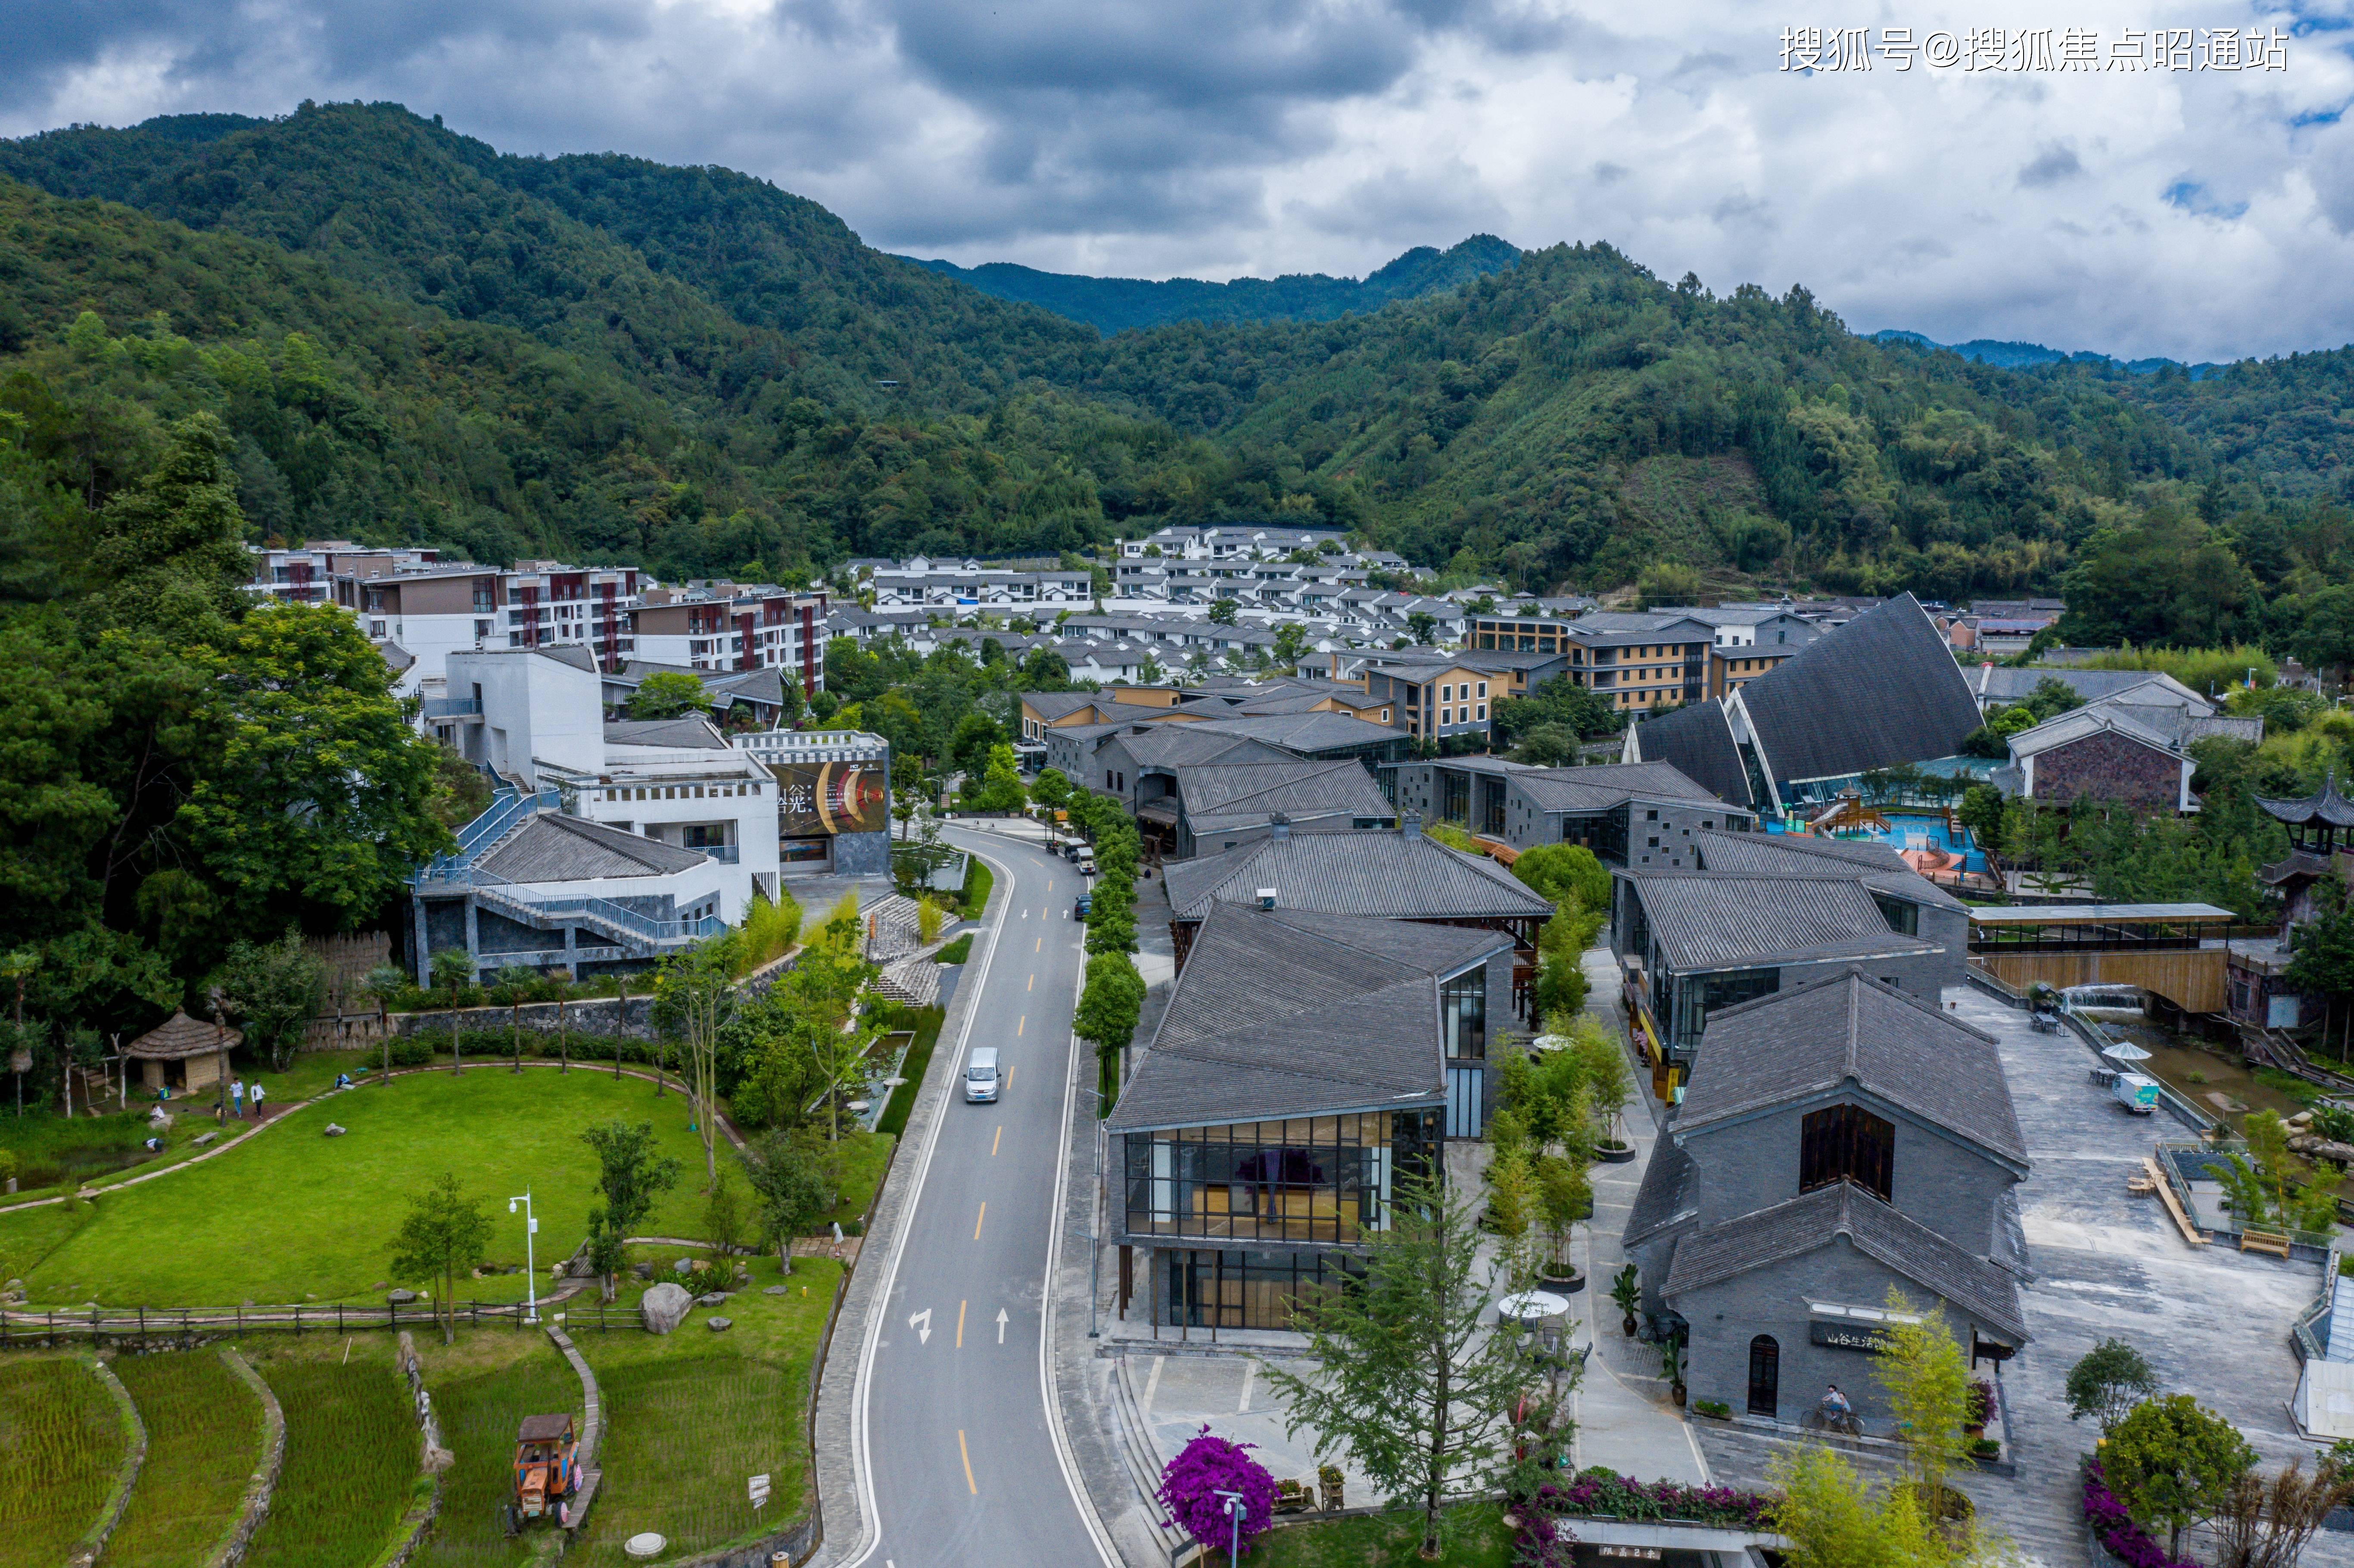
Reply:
x=2125, y=1050
x=1530, y=1305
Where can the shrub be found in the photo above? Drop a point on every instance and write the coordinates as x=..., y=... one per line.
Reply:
x=412, y=1051
x=1602, y=1491
x=2114, y=1528
x=1206, y=1466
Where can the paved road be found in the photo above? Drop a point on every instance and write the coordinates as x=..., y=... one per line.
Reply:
x=953, y=1419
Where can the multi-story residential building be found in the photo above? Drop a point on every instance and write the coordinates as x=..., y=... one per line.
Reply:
x=1435, y=699
x=732, y=626
x=1227, y=541
x=922, y=581
x=1836, y=1142
x=306, y=573
x=1638, y=663
x=433, y=612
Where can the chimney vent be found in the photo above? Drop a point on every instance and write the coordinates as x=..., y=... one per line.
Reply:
x=1266, y=897
x=1409, y=823
x=1279, y=828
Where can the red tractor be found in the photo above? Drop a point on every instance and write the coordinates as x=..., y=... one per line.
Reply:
x=549, y=1480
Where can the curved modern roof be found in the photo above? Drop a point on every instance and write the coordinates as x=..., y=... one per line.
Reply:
x=1879, y=692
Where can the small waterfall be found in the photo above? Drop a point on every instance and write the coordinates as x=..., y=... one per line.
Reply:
x=2106, y=998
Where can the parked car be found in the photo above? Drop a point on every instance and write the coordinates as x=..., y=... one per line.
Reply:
x=980, y=1075
x=1082, y=907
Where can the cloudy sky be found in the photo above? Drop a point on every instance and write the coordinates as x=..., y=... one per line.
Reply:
x=2200, y=213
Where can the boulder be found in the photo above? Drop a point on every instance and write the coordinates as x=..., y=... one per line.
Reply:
x=684, y=1265
x=334, y=1132
x=777, y=1290
x=718, y=1325
x=400, y=1297
x=204, y=1138
x=712, y=1299
x=642, y=1270
x=664, y=1308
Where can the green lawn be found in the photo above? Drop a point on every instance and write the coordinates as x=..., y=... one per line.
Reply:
x=203, y=1443
x=352, y=1452
x=864, y=1156
x=292, y=1212
x=694, y=1414
x=61, y=1441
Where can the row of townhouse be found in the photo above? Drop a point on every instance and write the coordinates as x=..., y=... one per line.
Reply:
x=420, y=610
x=920, y=580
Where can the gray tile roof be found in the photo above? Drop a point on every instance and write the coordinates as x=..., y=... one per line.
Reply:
x=1400, y=876
x=764, y=684
x=1717, y=921
x=1879, y=691
x=691, y=732
x=2329, y=807
x=1288, y=1014
x=1985, y=1291
x=1052, y=706
x=1664, y=1198
x=1795, y=1046
x=553, y=848
x=1295, y=788
x=1698, y=743
x=1877, y=865
x=1598, y=789
x=2001, y=683
x=1174, y=743
x=1308, y=733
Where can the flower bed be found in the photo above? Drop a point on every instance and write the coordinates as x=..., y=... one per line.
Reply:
x=2116, y=1529
x=1599, y=1493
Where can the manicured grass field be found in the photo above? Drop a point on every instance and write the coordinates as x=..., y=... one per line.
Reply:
x=292, y=1212
x=1475, y=1538
x=61, y=1441
x=864, y=1156
x=203, y=1443
x=483, y=1389
x=352, y=1453
x=692, y=1414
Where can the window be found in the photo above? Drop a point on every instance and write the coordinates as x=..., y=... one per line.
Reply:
x=1730, y=989
x=1447, y=694
x=1765, y=1375
x=1325, y=1179
x=1463, y=1013
x=1903, y=916
x=1846, y=1143
x=1483, y=712
x=1247, y=1290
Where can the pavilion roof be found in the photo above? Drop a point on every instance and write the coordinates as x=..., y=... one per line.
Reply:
x=180, y=1036
x=2328, y=810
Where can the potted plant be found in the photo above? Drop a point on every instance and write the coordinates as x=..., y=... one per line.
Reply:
x=1980, y=1409
x=1563, y=1199
x=1626, y=1290
x=1671, y=1367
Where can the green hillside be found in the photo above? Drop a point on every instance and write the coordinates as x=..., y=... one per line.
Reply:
x=414, y=337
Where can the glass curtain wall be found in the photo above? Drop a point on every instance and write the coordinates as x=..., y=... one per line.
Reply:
x=1321, y=1178
x=1247, y=1290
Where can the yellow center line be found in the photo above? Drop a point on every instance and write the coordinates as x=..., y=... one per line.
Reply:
x=1033, y=985
x=1039, y=945
x=997, y=1139
x=963, y=1453
x=978, y=1218
x=1020, y=1024
x=1009, y=1077
x=959, y=1344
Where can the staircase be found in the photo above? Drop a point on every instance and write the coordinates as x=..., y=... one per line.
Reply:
x=912, y=981
x=894, y=930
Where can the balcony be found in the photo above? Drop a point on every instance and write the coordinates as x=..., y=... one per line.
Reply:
x=452, y=707
x=726, y=854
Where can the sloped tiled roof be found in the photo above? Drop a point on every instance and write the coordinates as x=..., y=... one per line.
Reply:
x=1799, y=1044
x=1295, y=789
x=1877, y=865
x=690, y=732
x=1880, y=691
x=1665, y=1196
x=1168, y=745
x=1987, y=1291
x=2000, y=684
x=1716, y=921
x=1288, y=1014
x=2326, y=808
x=1597, y=788
x=1400, y=876
x=1304, y=732
x=554, y=848
x=1698, y=743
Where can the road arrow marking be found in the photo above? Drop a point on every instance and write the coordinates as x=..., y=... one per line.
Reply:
x=922, y=1323
x=1000, y=1325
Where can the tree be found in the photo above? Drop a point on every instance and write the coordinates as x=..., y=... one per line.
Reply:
x=2107, y=1381
x=2172, y=1462
x=723, y=1216
x=694, y=988
x=1290, y=643
x=976, y=733
x=1548, y=746
x=1566, y=871
x=791, y=1185
x=1927, y=1380
x=444, y=1234
x=275, y=988
x=2266, y=1186
x=384, y=982
x=171, y=549
x=1222, y=613
x=1423, y=626
x=1000, y=786
x=668, y=694
x=1981, y=813
x=1204, y=1467
x=1051, y=789
x=631, y=1174
x=2323, y=962
x=1409, y=1385
x=1835, y=1518
x=2266, y=1524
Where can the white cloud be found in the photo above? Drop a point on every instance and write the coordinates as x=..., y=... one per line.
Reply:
x=2152, y=213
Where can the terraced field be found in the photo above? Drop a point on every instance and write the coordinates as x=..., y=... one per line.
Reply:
x=351, y=1457
x=491, y=1383
x=61, y=1441
x=203, y=1443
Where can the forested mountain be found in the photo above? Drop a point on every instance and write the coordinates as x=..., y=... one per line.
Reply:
x=409, y=335
x=1118, y=305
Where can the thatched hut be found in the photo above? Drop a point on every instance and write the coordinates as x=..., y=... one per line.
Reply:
x=183, y=1054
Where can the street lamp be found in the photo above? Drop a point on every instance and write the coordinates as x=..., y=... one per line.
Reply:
x=1233, y=1505
x=530, y=1263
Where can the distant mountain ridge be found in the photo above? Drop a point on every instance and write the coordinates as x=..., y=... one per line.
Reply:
x=2010, y=356
x=1119, y=304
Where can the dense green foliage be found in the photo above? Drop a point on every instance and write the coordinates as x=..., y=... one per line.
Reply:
x=607, y=358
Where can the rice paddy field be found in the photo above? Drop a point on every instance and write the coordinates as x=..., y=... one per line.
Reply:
x=61, y=1441
x=203, y=1443
x=352, y=1452
x=483, y=1388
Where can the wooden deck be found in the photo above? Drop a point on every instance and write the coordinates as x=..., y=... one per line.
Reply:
x=2173, y=1205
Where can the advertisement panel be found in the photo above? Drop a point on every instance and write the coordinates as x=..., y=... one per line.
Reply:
x=832, y=797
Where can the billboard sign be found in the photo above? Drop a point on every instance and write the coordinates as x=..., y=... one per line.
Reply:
x=832, y=797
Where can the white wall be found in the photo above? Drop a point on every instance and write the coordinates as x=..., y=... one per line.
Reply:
x=536, y=709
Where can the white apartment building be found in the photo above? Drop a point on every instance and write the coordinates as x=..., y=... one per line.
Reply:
x=432, y=611
x=730, y=625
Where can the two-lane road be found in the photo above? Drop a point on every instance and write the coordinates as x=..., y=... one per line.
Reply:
x=961, y=1461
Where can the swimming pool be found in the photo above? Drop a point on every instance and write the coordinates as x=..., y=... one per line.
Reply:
x=1914, y=830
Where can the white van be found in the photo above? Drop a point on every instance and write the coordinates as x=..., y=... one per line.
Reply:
x=980, y=1075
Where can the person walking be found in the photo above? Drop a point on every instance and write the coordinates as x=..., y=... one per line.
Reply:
x=257, y=1100
x=237, y=1098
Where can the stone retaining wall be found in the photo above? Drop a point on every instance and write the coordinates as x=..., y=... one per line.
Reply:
x=436, y=1459
x=86, y=1550
x=258, y=1491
